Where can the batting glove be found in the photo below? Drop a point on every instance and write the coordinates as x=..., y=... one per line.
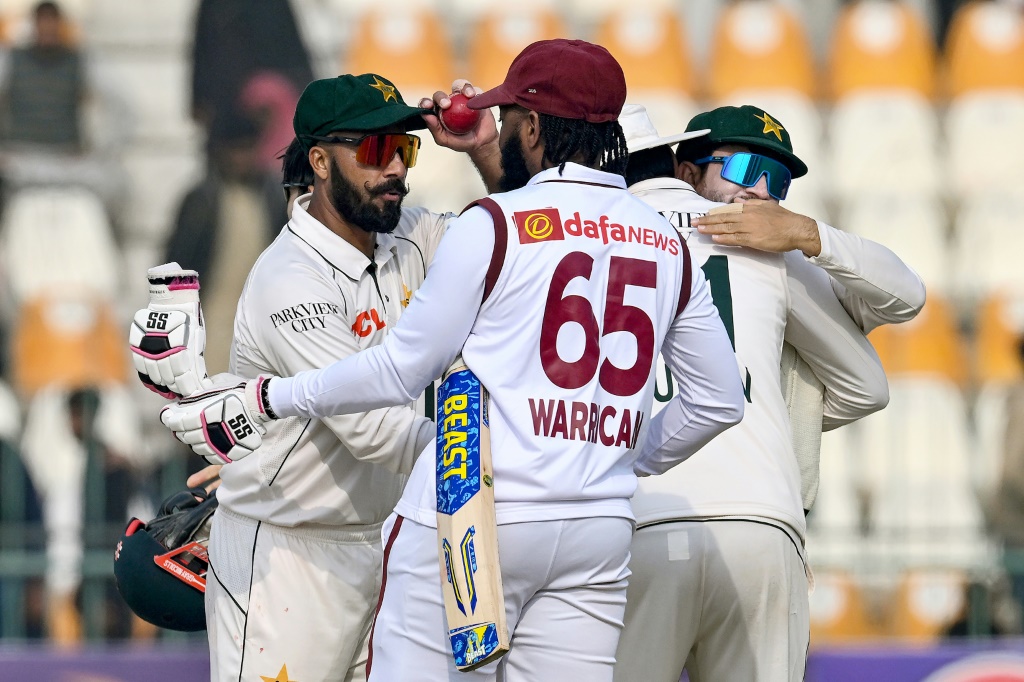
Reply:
x=224, y=423
x=167, y=339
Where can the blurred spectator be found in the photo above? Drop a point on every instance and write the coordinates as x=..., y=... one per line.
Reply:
x=235, y=39
x=43, y=88
x=223, y=224
x=1008, y=505
x=271, y=99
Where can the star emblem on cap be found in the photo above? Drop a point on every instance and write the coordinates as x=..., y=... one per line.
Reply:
x=282, y=676
x=770, y=125
x=389, y=93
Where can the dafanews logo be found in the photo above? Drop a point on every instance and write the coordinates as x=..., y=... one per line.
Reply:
x=539, y=225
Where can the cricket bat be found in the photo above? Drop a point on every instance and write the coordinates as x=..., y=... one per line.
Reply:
x=467, y=533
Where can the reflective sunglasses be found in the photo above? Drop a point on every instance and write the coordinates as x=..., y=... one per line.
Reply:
x=377, y=149
x=744, y=168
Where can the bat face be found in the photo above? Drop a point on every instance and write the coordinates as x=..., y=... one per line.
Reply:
x=466, y=528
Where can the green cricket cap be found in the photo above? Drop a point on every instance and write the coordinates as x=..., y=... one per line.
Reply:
x=359, y=103
x=746, y=125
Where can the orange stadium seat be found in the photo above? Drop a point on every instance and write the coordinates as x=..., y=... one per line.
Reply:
x=839, y=611
x=760, y=45
x=985, y=48
x=929, y=345
x=412, y=48
x=881, y=45
x=999, y=325
x=651, y=47
x=926, y=603
x=69, y=343
x=501, y=34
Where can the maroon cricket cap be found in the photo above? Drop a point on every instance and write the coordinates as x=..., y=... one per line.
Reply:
x=565, y=78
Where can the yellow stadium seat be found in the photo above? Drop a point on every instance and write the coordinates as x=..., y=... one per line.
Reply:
x=501, y=34
x=928, y=345
x=985, y=48
x=411, y=48
x=926, y=603
x=997, y=337
x=839, y=612
x=70, y=343
x=760, y=45
x=881, y=45
x=652, y=49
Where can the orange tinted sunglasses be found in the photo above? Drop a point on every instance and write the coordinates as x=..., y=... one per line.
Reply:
x=377, y=149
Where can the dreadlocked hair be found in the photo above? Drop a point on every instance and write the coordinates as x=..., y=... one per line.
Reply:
x=600, y=145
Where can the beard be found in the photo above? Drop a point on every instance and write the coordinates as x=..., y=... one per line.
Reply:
x=363, y=213
x=514, y=173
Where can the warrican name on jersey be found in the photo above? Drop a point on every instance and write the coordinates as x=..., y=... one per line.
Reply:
x=590, y=422
x=545, y=224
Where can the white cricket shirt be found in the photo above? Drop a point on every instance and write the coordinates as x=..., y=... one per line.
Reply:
x=764, y=299
x=584, y=292
x=311, y=299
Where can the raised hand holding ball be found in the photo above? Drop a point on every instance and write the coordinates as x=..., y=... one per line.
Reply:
x=459, y=119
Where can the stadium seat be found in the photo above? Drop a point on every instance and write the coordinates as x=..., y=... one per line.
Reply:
x=930, y=345
x=985, y=137
x=839, y=612
x=884, y=142
x=154, y=86
x=998, y=331
x=57, y=240
x=914, y=227
x=989, y=439
x=500, y=34
x=412, y=48
x=762, y=45
x=985, y=48
x=71, y=342
x=917, y=457
x=876, y=45
x=115, y=23
x=834, y=524
x=988, y=242
x=651, y=47
x=926, y=603
x=158, y=178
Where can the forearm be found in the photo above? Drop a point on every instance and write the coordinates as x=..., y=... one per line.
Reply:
x=487, y=160
x=875, y=286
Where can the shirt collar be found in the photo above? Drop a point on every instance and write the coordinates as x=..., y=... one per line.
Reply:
x=342, y=255
x=653, y=184
x=574, y=172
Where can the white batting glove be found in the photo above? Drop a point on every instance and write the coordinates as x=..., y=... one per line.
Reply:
x=167, y=338
x=223, y=423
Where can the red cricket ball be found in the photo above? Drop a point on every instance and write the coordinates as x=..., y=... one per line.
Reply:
x=459, y=119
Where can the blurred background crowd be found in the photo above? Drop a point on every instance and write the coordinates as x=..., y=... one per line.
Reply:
x=133, y=133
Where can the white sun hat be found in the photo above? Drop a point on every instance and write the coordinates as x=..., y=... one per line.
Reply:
x=640, y=131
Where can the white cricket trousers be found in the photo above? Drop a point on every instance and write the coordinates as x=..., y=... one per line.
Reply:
x=565, y=593
x=725, y=598
x=300, y=599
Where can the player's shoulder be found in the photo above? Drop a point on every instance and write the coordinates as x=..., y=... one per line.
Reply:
x=417, y=223
x=288, y=269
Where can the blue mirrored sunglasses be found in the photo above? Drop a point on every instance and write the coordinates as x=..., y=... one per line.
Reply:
x=744, y=168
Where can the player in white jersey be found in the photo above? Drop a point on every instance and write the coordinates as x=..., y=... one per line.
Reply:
x=719, y=582
x=295, y=548
x=559, y=294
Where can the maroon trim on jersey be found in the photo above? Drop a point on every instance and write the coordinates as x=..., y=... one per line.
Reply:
x=583, y=182
x=684, y=291
x=500, y=242
x=383, y=583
